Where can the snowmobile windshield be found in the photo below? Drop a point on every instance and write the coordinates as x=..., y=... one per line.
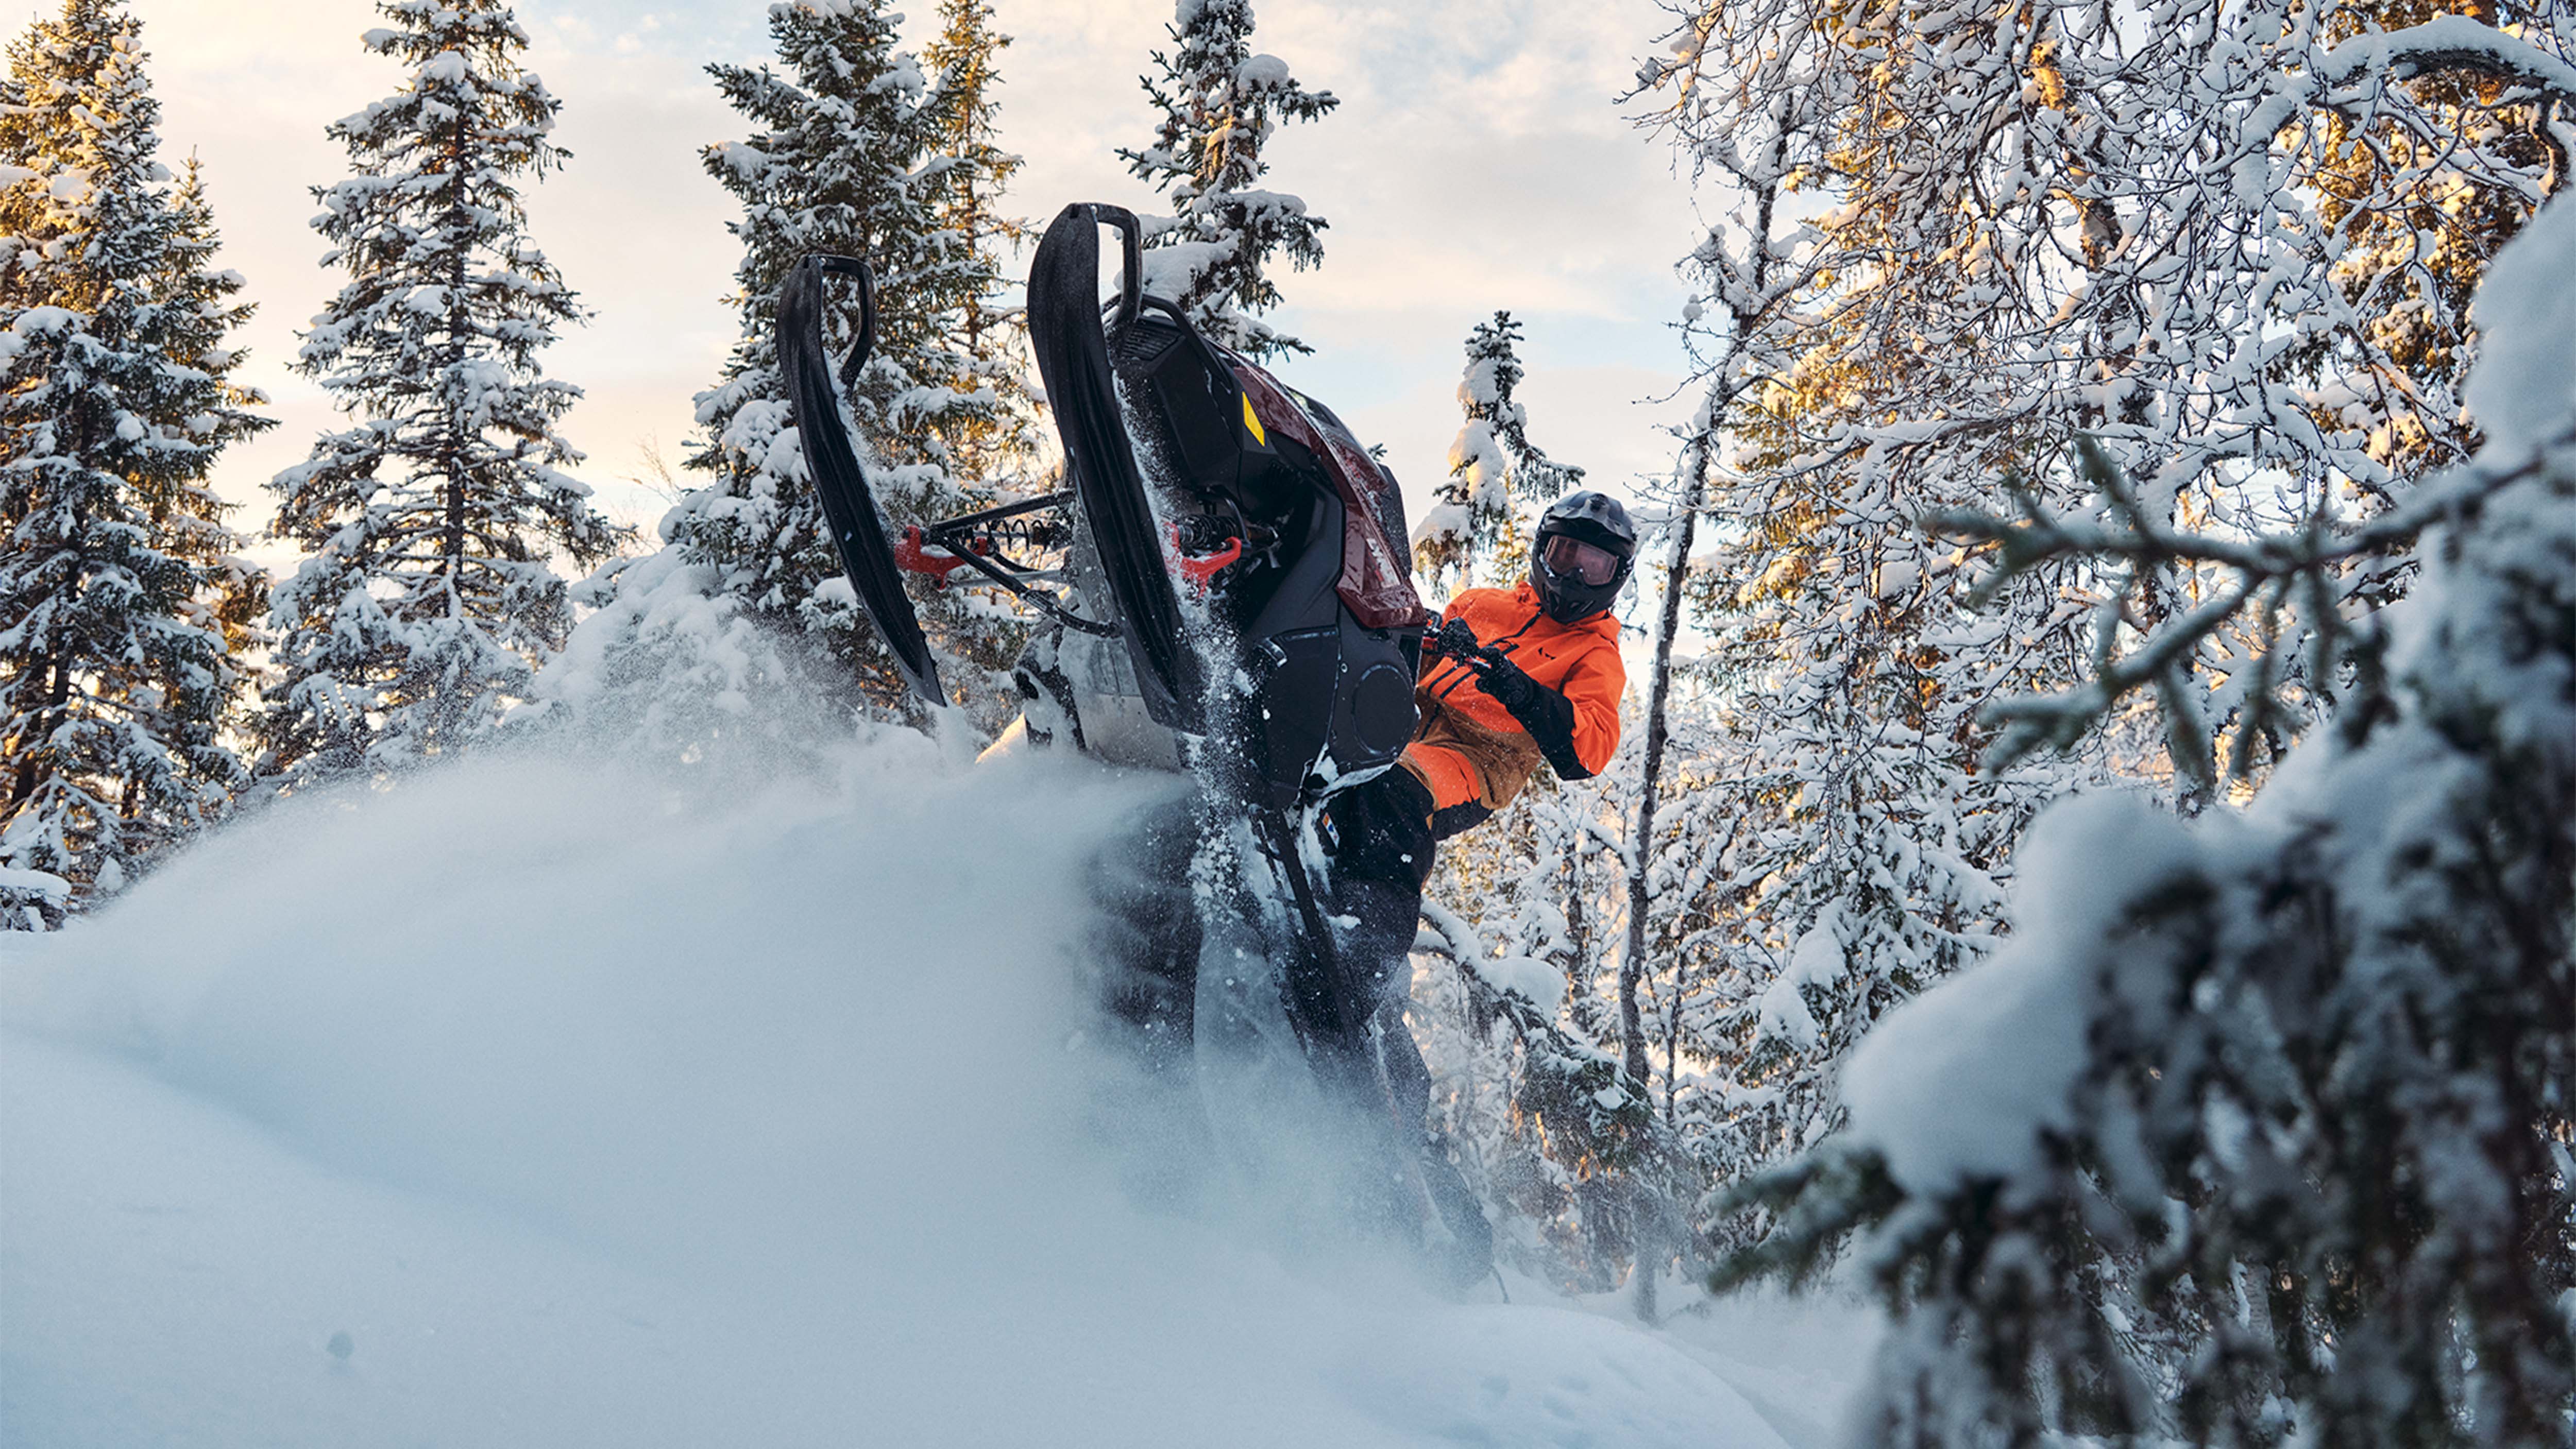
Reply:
x=1574, y=558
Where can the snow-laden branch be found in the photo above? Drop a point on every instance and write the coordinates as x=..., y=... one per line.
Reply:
x=2265, y=564
x=2445, y=44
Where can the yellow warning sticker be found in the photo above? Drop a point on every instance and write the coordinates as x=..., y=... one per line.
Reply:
x=1254, y=423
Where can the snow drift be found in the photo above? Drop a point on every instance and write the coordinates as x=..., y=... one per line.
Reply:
x=544, y=1102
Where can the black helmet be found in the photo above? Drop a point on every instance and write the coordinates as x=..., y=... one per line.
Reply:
x=1570, y=585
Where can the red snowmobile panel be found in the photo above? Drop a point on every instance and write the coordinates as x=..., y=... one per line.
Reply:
x=1375, y=584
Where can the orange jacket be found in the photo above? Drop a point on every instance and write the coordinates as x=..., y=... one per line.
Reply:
x=1468, y=748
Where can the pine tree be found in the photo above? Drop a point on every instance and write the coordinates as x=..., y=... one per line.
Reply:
x=430, y=589
x=857, y=154
x=235, y=598
x=1220, y=104
x=1479, y=527
x=994, y=445
x=117, y=670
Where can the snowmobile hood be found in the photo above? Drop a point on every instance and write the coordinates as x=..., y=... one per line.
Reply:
x=1376, y=581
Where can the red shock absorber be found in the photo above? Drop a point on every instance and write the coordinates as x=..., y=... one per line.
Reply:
x=1199, y=568
x=912, y=555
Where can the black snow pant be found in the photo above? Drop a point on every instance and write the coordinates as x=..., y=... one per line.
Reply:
x=1379, y=835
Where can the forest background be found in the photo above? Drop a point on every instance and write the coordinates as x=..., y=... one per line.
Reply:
x=2081, y=419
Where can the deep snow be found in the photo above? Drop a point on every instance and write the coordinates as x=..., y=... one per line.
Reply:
x=595, y=1108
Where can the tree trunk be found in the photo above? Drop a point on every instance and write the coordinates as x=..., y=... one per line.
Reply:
x=57, y=690
x=1632, y=960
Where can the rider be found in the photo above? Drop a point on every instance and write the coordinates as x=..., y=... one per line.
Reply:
x=1513, y=677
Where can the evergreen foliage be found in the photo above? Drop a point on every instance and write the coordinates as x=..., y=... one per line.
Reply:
x=121, y=587
x=2334, y=1028
x=430, y=524
x=1220, y=105
x=966, y=56
x=1478, y=526
x=236, y=598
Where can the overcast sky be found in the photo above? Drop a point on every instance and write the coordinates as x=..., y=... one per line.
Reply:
x=1478, y=160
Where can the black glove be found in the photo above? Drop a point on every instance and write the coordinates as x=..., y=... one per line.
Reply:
x=1546, y=714
x=1455, y=639
x=1512, y=688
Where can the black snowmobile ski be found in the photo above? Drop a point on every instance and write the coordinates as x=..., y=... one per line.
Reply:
x=1268, y=504
x=874, y=564
x=839, y=478
x=1073, y=361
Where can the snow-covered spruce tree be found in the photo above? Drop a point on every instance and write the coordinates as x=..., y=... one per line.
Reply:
x=2259, y=1131
x=1857, y=857
x=193, y=518
x=430, y=526
x=991, y=433
x=1477, y=531
x=1776, y=897
x=854, y=153
x=116, y=667
x=1220, y=104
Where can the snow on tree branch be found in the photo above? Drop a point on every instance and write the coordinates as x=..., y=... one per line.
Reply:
x=2449, y=43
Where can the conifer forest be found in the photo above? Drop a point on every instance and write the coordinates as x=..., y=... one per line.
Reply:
x=2075, y=943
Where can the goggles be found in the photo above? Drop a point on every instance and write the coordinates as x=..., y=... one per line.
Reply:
x=1566, y=555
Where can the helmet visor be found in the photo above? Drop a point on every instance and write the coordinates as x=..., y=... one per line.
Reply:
x=1569, y=556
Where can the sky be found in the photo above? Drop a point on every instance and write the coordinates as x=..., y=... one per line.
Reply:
x=1478, y=160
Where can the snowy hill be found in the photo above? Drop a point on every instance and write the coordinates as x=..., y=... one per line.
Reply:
x=542, y=1104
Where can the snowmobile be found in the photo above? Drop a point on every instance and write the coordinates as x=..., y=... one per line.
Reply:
x=1232, y=599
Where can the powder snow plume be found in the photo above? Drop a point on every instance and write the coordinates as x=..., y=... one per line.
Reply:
x=541, y=1102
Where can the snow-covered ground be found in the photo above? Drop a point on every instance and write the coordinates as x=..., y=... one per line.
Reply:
x=547, y=1104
